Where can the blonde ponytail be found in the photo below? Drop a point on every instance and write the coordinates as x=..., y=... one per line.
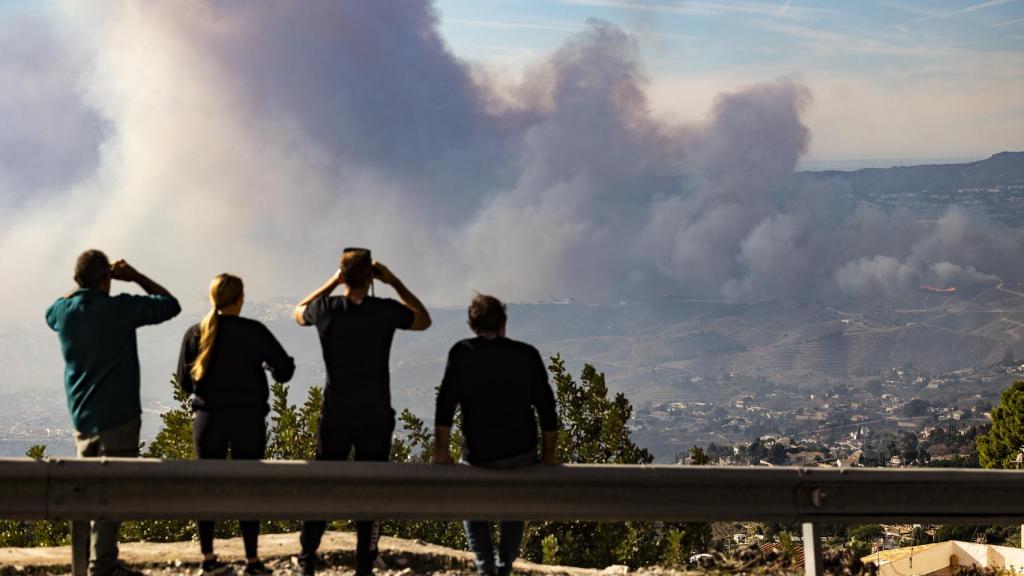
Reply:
x=225, y=290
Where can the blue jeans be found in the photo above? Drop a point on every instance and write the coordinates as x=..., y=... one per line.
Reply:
x=478, y=532
x=478, y=536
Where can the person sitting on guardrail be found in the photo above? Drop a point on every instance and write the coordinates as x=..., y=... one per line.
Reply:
x=101, y=374
x=222, y=364
x=498, y=383
x=356, y=331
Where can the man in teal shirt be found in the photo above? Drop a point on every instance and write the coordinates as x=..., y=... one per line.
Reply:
x=101, y=373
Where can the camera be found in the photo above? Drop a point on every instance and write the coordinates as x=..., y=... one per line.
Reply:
x=376, y=271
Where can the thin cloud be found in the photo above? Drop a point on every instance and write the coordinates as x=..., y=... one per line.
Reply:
x=773, y=10
x=543, y=25
x=1007, y=23
x=558, y=26
x=984, y=5
x=969, y=9
x=857, y=42
x=910, y=9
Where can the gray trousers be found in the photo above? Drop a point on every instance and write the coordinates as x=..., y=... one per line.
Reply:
x=122, y=441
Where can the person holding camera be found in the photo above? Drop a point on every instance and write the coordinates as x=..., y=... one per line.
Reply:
x=356, y=331
x=101, y=376
x=502, y=388
x=222, y=364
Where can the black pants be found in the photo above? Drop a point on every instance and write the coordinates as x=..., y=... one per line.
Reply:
x=371, y=443
x=245, y=434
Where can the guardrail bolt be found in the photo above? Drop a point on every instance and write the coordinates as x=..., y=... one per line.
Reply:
x=818, y=497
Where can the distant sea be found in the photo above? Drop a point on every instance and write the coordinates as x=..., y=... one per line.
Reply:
x=16, y=447
x=817, y=164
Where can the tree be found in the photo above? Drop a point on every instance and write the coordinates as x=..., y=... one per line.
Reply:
x=292, y=434
x=174, y=440
x=757, y=451
x=594, y=430
x=957, y=532
x=918, y=536
x=867, y=532
x=916, y=407
x=1000, y=447
x=699, y=457
x=778, y=454
x=713, y=452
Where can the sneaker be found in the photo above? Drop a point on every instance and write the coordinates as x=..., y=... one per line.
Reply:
x=118, y=569
x=216, y=568
x=257, y=568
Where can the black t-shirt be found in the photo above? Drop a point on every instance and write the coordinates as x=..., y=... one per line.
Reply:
x=235, y=377
x=356, y=342
x=499, y=383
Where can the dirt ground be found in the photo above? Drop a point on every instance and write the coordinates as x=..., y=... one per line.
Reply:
x=400, y=558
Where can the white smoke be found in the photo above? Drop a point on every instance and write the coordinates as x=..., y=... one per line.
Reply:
x=260, y=138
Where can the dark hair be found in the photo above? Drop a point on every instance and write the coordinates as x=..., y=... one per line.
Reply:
x=91, y=269
x=486, y=314
x=356, y=267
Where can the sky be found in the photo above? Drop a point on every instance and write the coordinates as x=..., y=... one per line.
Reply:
x=936, y=80
x=595, y=149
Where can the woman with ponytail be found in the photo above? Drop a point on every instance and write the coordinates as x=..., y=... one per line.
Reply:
x=222, y=365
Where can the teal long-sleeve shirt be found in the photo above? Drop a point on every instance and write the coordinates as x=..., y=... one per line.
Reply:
x=101, y=357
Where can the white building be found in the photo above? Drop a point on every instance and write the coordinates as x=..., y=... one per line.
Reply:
x=943, y=559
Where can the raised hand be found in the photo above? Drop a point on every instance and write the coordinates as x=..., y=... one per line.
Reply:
x=382, y=273
x=122, y=270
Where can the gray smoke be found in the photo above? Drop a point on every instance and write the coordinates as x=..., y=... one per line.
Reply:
x=260, y=138
x=49, y=137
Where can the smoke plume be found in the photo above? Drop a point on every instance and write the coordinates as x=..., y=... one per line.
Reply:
x=260, y=138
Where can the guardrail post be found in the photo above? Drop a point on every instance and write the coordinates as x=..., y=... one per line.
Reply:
x=812, y=550
x=80, y=543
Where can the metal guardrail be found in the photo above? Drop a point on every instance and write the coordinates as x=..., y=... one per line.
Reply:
x=127, y=489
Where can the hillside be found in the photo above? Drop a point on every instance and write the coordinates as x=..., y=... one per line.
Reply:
x=994, y=186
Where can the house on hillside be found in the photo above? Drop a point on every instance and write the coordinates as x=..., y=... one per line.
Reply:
x=805, y=457
x=944, y=558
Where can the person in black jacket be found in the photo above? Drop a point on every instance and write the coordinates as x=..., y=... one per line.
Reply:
x=222, y=364
x=356, y=331
x=502, y=388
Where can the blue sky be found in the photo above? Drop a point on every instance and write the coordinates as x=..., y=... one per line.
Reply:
x=682, y=35
x=891, y=79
